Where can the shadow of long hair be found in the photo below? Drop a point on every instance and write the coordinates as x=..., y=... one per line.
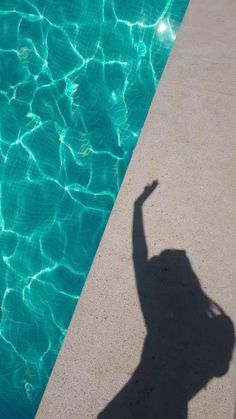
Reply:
x=189, y=341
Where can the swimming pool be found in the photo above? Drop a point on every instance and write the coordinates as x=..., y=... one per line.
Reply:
x=76, y=82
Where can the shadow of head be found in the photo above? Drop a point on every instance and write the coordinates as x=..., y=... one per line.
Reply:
x=192, y=331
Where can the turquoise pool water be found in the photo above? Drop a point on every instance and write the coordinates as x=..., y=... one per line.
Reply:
x=76, y=81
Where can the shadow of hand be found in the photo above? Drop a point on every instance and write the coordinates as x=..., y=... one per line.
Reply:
x=148, y=190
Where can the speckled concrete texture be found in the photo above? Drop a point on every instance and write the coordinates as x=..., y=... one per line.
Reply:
x=189, y=144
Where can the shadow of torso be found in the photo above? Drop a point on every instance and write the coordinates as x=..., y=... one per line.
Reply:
x=189, y=341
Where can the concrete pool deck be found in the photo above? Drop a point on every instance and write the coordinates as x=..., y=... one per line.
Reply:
x=189, y=144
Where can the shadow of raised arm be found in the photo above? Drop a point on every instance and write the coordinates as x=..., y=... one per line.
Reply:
x=140, y=250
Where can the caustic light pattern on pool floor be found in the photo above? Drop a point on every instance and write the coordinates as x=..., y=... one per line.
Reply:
x=76, y=81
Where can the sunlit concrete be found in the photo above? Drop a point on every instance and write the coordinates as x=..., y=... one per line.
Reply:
x=189, y=144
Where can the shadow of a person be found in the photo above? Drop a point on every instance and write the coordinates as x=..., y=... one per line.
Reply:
x=189, y=340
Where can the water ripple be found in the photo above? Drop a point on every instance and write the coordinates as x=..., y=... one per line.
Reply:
x=76, y=82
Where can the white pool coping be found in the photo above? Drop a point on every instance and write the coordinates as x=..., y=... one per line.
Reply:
x=189, y=144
